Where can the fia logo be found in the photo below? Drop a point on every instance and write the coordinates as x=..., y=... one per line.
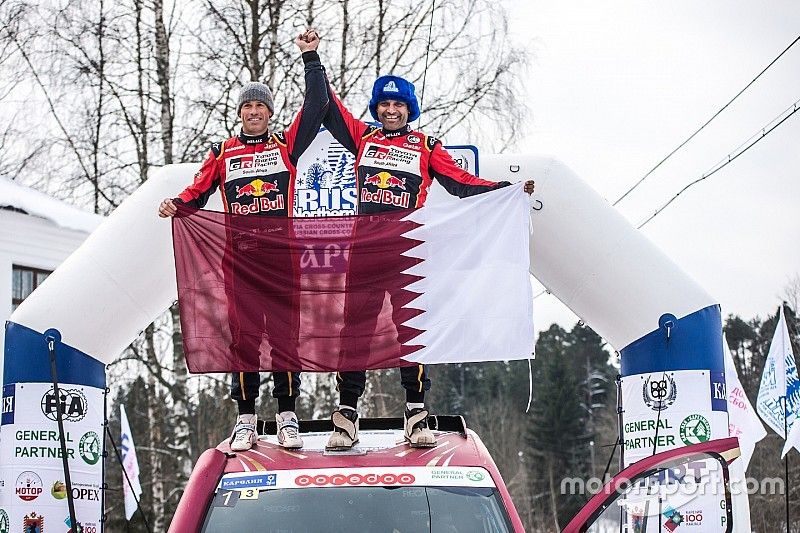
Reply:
x=73, y=404
x=659, y=394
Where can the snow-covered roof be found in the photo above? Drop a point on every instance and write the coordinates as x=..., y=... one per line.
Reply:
x=38, y=204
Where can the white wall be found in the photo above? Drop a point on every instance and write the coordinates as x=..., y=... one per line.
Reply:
x=30, y=241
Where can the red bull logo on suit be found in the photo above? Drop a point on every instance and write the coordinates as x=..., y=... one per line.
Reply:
x=256, y=188
x=385, y=181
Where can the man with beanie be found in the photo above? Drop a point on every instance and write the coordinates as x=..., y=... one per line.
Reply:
x=255, y=172
x=394, y=168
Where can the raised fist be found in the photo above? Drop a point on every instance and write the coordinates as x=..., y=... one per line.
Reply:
x=308, y=40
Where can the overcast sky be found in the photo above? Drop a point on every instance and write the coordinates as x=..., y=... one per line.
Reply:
x=615, y=86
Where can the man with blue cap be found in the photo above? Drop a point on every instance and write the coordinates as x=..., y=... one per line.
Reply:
x=395, y=166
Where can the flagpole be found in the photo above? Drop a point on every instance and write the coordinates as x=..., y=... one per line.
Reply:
x=128, y=479
x=785, y=420
x=786, y=459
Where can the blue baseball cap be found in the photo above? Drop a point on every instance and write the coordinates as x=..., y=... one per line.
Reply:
x=394, y=88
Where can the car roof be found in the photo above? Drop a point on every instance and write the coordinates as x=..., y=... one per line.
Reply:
x=381, y=443
x=381, y=450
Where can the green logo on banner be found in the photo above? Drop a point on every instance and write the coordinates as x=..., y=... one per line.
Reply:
x=695, y=429
x=4, y=527
x=89, y=448
x=475, y=475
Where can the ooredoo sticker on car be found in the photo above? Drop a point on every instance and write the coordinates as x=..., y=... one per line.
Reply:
x=411, y=476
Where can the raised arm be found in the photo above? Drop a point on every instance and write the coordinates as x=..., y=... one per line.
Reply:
x=306, y=124
x=344, y=127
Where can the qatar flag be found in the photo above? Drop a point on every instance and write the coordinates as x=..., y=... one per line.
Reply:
x=439, y=284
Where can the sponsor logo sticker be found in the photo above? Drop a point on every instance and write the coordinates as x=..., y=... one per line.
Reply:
x=80, y=491
x=413, y=139
x=695, y=429
x=659, y=394
x=257, y=187
x=392, y=158
x=475, y=475
x=4, y=523
x=384, y=180
x=247, y=482
x=7, y=417
x=28, y=486
x=33, y=523
x=376, y=152
x=89, y=448
x=73, y=404
x=321, y=480
x=58, y=490
x=254, y=165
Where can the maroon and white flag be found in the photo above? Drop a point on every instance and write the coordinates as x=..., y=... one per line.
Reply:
x=439, y=284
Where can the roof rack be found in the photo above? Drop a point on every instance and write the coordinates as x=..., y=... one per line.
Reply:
x=454, y=423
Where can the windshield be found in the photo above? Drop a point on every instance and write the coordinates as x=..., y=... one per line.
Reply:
x=364, y=509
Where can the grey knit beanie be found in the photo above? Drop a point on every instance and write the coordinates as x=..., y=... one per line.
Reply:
x=259, y=92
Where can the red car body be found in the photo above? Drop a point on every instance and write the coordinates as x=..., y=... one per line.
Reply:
x=458, y=450
x=382, y=460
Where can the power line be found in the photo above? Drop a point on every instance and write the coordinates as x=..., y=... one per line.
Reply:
x=635, y=185
x=741, y=149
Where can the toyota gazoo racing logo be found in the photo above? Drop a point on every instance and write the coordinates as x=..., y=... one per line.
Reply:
x=28, y=486
x=73, y=404
x=377, y=152
x=658, y=394
x=240, y=163
x=256, y=188
x=321, y=480
x=384, y=180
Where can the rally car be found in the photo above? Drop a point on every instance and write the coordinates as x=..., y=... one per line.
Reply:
x=381, y=485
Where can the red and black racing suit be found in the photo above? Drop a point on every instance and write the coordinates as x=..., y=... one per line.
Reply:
x=394, y=170
x=256, y=175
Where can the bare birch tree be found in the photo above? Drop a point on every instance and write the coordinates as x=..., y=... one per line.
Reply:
x=132, y=85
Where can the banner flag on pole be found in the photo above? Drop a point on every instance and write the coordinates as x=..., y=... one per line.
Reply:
x=779, y=379
x=446, y=283
x=743, y=422
x=130, y=464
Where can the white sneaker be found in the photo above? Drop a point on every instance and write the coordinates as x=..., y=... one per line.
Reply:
x=417, y=433
x=244, y=433
x=288, y=431
x=345, y=430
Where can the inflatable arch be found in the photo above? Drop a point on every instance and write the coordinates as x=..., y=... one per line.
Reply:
x=666, y=328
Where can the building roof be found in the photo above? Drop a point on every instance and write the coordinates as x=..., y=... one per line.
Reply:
x=32, y=202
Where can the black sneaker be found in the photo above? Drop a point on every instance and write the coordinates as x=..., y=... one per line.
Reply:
x=416, y=432
x=345, y=430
